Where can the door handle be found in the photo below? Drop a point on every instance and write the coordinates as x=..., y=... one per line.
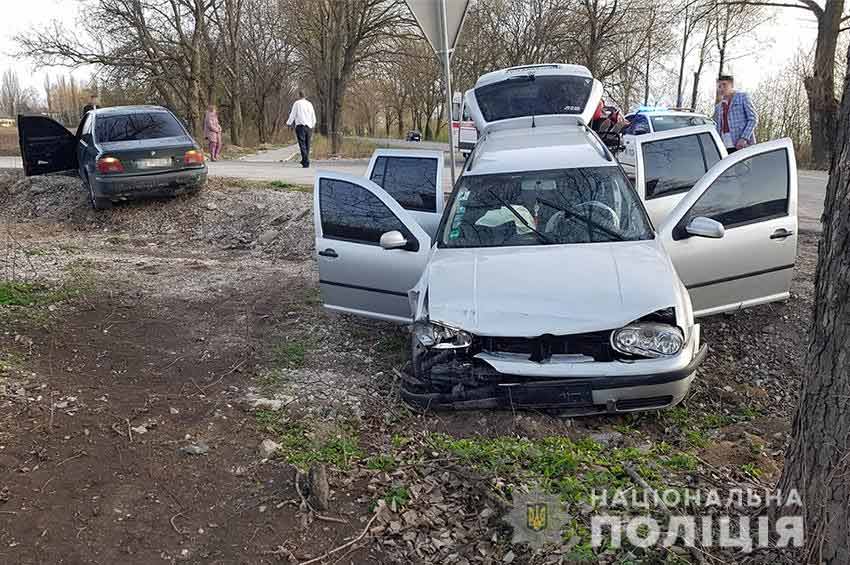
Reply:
x=328, y=253
x=781, y=233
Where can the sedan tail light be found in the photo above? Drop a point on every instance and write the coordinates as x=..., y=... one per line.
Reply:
x=107, y=165
x=193, y=157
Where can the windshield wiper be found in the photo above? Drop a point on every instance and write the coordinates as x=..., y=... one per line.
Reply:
x=541, y=236
x=616, y=235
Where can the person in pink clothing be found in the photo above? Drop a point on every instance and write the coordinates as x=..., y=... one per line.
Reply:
x=212, y=131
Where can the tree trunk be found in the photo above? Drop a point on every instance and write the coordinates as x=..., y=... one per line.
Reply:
x=683, y=55
x=236, y=118
x=646, y=72
x=820, y=87
x=816, y=462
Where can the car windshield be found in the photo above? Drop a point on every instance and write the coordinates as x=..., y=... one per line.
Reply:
x=528, y=95
x=586, y=205
x=664, y=123
x=136, y=126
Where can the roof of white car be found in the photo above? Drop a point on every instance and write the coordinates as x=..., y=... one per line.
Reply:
x=537, y=149
x=668, y=113
x=539, y=70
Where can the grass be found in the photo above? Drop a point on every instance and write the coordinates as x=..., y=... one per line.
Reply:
x=15, y=293
x=246, y=184
x=9, y=141
x=349, y=149
x=299, y=447
x=397, y=497
x=290, y=354
x=381, y=463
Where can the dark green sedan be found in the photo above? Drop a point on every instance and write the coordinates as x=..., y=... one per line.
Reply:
x=121, y=153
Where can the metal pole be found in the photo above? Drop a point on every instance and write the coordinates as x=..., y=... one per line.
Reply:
x=447, y=72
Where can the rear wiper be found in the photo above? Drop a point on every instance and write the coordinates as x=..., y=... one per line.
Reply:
x=541, y=236
x=616, y=235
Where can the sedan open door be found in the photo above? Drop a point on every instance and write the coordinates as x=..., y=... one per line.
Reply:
x=733, y=237
x=46, y=145
x=664, y=166
x=370, y=250
x=414, y=179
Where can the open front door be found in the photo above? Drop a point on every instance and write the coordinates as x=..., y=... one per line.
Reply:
x=370, y=250
x=668, y=164
x=414, y=179
x=46, y=145
x=733, y=237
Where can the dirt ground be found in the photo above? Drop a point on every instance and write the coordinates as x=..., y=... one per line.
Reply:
x=159, y=343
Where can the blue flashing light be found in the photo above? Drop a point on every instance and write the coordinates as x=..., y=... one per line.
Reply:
x=650, y=109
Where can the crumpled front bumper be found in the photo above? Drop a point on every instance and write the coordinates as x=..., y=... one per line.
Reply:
x=564, y=385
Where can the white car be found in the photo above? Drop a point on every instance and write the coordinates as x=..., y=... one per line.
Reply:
x=544, y=283
x=652, y=120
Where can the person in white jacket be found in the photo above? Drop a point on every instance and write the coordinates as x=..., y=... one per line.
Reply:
x=303, y=118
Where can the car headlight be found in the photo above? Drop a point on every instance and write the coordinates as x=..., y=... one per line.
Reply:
x=648, y=339
x=438, y=336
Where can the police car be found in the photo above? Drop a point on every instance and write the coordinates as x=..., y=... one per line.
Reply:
x=648, y=119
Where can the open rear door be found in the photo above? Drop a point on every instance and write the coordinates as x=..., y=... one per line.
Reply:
x=668, y=164
x=370, y=250
x=46, y=145
x=414, y=179
x=733, y=237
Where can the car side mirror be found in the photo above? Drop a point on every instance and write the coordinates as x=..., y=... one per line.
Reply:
x=393, y=240
x=705, y=227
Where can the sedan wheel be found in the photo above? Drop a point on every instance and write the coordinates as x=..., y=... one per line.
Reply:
x=97, y=202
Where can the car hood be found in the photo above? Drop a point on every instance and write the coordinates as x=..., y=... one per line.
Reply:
x=552, y=289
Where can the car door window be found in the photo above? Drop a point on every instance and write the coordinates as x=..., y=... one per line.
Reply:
x=410, y=180
x=753, y=190
x=638, y=125
x=675, y=164
x=351, y=213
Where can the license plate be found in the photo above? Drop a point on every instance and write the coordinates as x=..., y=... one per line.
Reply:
x=551, y=394
x=153, y=163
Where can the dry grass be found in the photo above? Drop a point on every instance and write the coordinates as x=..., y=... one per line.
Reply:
x=9, y=141
x=350, y=149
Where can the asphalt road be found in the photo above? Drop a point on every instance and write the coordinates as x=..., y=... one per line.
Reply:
x=811, y=184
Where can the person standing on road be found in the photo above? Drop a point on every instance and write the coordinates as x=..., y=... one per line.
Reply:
x=212, y=132
x=92, y=105
x=303, y=119
x=734, y=115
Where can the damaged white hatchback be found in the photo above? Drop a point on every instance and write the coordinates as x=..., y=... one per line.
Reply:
x=545, y=284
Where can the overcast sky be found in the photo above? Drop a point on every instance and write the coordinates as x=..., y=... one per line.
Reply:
x=778, y=40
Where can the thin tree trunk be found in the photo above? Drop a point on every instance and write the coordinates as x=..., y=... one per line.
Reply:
x=817, y=462
x=820, y=87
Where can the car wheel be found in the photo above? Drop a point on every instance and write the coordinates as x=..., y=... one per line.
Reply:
x=97, y=202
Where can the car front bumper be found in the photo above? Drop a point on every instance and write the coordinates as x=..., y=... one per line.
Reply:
x=569, y=388
x=167, y=183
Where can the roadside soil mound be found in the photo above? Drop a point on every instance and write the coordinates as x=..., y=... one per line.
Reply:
x=276, y=222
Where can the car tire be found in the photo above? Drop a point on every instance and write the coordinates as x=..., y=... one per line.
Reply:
x=97, y=202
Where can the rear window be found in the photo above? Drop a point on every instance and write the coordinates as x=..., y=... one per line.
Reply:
x=133, y=127
x=529, y=95
x=412, y=181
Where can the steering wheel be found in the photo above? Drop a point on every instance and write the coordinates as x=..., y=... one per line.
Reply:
x=558, y=217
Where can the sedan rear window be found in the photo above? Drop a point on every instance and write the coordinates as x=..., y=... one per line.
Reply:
x=136, y=126
x=587, y=205
x=528, y=95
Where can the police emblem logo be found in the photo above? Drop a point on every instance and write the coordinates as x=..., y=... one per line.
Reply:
x=537, y=516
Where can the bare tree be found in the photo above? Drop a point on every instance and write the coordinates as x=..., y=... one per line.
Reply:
x=14, y=98
x=334, y=37
x=227, y=17
x=820, y=81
